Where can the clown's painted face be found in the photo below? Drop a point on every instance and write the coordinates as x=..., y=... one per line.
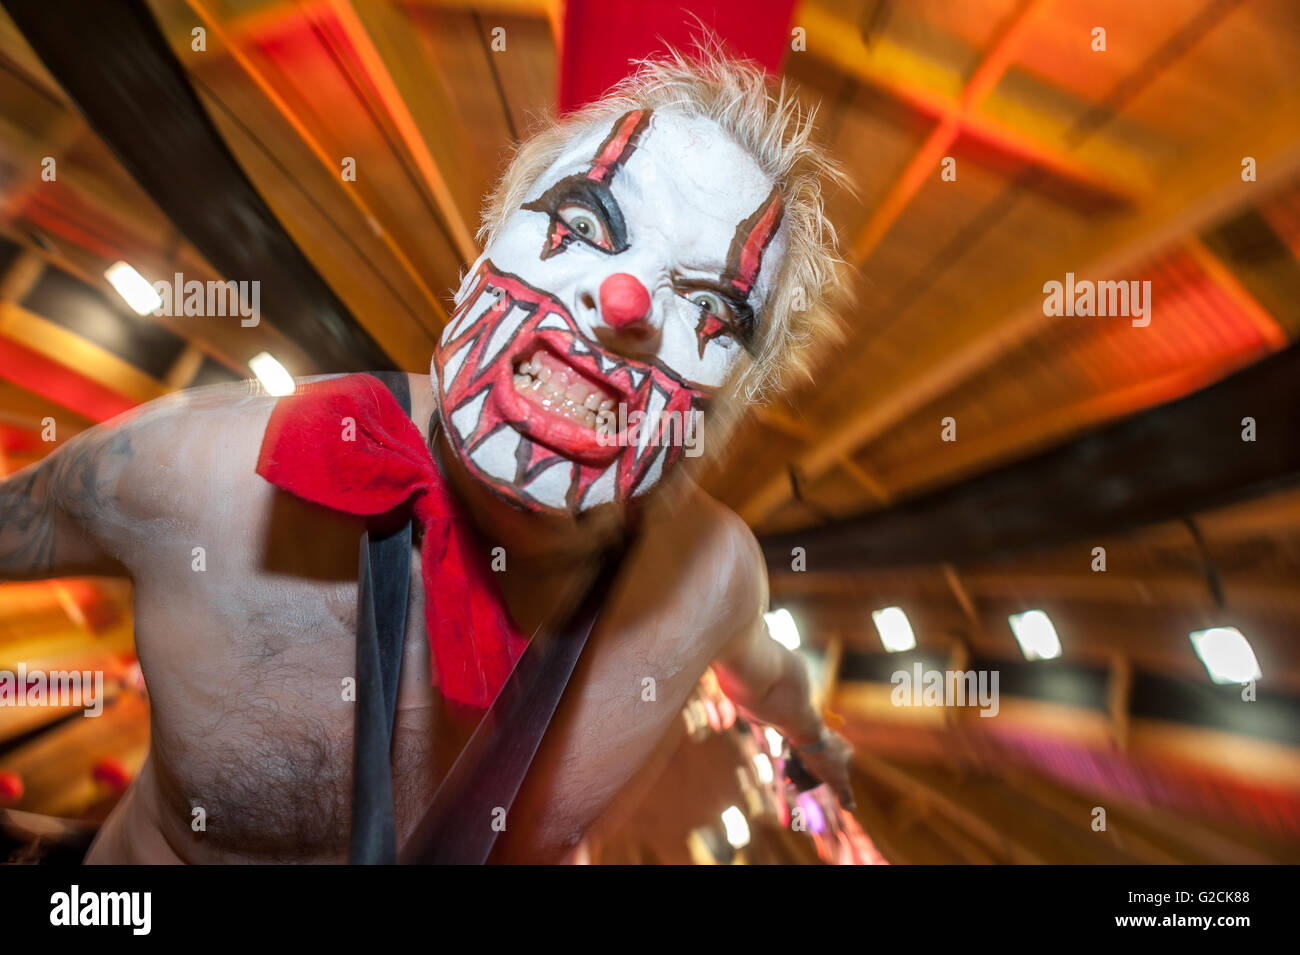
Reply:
x=592, y=332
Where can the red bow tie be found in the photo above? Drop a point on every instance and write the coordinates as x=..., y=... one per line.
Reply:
x=346, y=443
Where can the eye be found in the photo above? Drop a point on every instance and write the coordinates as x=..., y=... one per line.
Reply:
x=585, y=222
x=712, y=303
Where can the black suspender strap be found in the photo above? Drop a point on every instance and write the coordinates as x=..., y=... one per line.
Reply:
x=457, y=827
x=381, y=628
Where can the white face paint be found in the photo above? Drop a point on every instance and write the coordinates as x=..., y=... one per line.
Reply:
x=627, y=282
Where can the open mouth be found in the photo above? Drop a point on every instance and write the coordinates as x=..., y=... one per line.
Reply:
x=546, y=415
x=550, y=383
x=553, y=389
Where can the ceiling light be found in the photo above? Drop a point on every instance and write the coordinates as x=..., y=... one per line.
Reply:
x=733, y=820
x=1036, y=635
x=271, y=374
x=895, y=630
x=134, y=288
x=1227, y=655
x=781, y=627
x=774, y=741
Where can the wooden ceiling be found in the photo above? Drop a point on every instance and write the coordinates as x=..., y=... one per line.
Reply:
x=1109, y=165
x=1117, y=164
x=1121, y=163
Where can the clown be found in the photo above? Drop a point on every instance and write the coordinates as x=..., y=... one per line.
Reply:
x=642, y=293
x=650, y=265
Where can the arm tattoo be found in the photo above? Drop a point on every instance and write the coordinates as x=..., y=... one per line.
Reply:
x=26, y=528
x=70, y=489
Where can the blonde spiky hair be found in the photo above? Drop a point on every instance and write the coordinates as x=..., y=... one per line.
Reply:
x=801, y=315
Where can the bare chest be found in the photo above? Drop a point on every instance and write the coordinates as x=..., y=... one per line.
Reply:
x=253, y=694
x=253, y=711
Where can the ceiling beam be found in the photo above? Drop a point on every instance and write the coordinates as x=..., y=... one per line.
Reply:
x=1189, y=590
x=783, y=422
x=371, y=33
x=1199, y=193
x=271, y=17
x=66, y=347
x=115, y=63
x=951, y=124
x=1219, y=273
x=1271, y=516
x=234, y=48
x=1192, y=459
x=1023, y=436
x=938, y=91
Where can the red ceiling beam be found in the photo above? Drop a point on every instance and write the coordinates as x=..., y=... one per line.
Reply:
x=55, y=382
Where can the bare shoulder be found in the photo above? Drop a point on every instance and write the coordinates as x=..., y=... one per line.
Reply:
x=725, y=561
x=162, y=443
x=163, y=469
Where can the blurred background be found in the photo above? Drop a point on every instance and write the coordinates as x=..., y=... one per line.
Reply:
x=1077, y=504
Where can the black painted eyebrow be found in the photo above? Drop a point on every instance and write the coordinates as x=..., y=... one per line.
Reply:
x=747, y=326
x=591, y=193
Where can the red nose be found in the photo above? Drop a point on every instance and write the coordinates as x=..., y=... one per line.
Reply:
x=624, y=302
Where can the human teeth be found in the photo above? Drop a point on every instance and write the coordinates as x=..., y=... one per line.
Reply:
x=559, y=388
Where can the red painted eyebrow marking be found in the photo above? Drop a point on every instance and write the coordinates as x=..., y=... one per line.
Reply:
x=745, y=258
x=619, y=145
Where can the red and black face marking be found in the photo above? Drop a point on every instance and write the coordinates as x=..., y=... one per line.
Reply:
x=530, y=457
x=745, y=257
x=582, y=206
x=744, y=262
x=619, y=145
x=710, y=327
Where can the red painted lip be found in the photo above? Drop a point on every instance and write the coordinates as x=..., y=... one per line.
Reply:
x=549, y=428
